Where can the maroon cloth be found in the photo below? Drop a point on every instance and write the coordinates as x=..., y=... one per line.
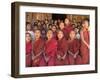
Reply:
x=50, y=51
x=67, y=30
x=38, y=46
x=28, y=54
x=62, y=50
x=84, y=49
x=74, y=46
x=55, y=35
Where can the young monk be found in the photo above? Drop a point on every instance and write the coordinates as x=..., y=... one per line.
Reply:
x=62, y=27
x=54, y=29
x=49, y=50
x=68, y=28
x=85, y=39
x=61, y=56
x=29, y=30
x=73, y=49
x=28, y=50
x=38, y=46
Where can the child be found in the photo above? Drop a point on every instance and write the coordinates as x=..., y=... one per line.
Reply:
x=28, y=50
x=61, y=56
x=29, y=30
x=54, y=29
x=38, y=46
x=73, y=49
x=85, y=39
x=62, y=27
x=68, y=28
x=49, y=50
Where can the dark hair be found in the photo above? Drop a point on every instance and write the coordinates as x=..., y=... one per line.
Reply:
x=86, y=19
x=60, y=30
x=37, y=30
x=49, y=30
x=54, y=25
x=28, y=34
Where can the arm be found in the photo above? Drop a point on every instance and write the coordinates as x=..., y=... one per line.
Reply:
x=70, y=53
x=75, y=55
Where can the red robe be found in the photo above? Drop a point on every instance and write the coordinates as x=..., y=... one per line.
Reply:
x=74, y=47
x=84, y=49
x=62, y=50
x=50, y=51
x=38, y=47
x=55, y=35
x=68, y=29
x=28, y=54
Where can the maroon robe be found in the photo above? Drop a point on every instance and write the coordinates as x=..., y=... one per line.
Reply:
x=38, y=46
x=74, y=47
x=55, y=35
x=62, y=51
x=68, y=29
x=84, y=49
x=49, y=52
x=28, y=54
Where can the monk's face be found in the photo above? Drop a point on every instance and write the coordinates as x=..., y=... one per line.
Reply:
x=49, y=34
x=85, y=24
x=66, y=21
x=72, y=35
x=28, y=37
x=61, y=26
x=37, y=34
x=53, y=28
x=60, y=35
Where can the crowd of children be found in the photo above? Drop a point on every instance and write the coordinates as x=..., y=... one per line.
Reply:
x=53, y=43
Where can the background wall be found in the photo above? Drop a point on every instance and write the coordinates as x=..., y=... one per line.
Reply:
x=5, y=40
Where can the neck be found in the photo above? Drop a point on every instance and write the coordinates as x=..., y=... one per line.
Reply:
x=72, y=39
x=49, y=39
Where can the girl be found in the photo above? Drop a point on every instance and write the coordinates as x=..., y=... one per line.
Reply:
x=49, y=50
x=73, y=49
x=28, y=50
x=61, y=56
x=85, y=38
x=38, y=46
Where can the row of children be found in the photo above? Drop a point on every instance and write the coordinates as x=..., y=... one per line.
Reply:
x=60, y=47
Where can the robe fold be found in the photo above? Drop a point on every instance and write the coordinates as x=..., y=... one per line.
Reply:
x=49, y=52
x=28, y=54
x=67, y=30
x=62, y=51
x=74, y=48
x=84, y=49
x=38, y=46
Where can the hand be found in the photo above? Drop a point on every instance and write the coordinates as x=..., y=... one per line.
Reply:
x=33, y=57
x=63, y=57
x=59, y=57
x=88, y=47
x=75, y=56
x=47, y=59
